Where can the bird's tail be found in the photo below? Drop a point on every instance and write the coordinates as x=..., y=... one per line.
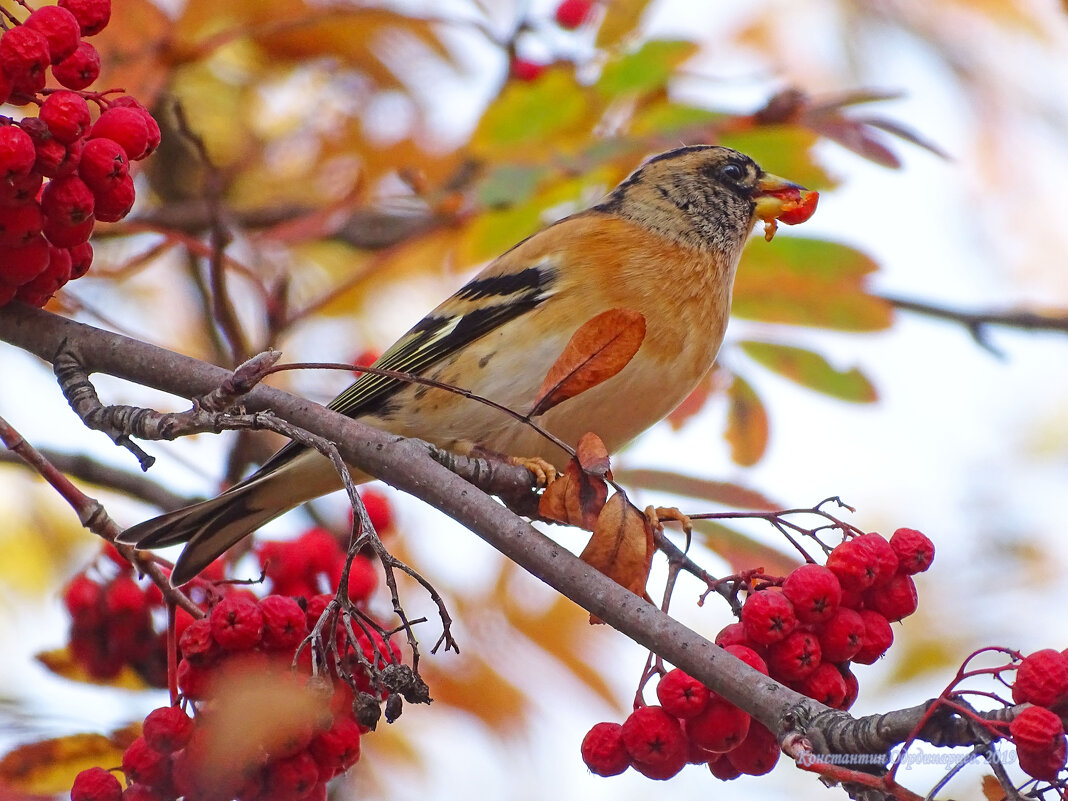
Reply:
x=212, y=526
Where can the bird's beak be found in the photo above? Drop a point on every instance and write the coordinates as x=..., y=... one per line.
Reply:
x=780, y=200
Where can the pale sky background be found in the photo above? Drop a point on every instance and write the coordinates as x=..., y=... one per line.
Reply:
x=967, y=447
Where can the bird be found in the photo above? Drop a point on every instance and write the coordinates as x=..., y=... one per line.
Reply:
x=665, y=243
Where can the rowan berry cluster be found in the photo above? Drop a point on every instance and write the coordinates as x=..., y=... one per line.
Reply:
x=245, y=638
x=1038, y=731
x=61, y=171
x=804, y=631
x=569, y=15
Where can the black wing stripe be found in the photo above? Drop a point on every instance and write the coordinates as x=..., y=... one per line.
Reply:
x=530, y=280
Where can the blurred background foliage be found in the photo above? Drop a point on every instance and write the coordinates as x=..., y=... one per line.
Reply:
x=329, y=170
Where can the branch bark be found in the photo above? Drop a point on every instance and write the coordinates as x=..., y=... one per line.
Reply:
x=804, y=725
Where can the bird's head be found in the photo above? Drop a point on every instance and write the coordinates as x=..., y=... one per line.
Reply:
x=720, y=193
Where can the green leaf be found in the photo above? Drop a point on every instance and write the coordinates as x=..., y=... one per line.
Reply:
x=508, y=184
x=783, y=150
x=645, y=70
x=531, y=116
x=811, y=370
x=747, y=423
x=668, y=117
x=809, y=282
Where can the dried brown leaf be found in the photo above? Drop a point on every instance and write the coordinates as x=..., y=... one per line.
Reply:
x=622, y=544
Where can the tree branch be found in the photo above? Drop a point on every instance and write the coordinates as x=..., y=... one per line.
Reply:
x=977, y=323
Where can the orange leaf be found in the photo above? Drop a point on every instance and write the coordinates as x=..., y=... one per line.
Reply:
x=49, y=767
x=598, y=350
x=622, y=544
x=747, y=423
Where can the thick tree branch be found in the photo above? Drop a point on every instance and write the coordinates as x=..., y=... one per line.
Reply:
x=807, y=726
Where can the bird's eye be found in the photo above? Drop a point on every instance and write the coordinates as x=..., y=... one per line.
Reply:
x=732, y=172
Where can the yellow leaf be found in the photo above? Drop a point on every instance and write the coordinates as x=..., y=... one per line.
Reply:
x=49, y=767
x=61, y=662
x=747, y=423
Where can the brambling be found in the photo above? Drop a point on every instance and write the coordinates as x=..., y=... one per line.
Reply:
x=665, y=242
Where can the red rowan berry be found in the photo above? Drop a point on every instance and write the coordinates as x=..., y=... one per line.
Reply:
x=719, y=727
x=851, y=563
x=653, y=737
x=842, y=636
x=1044, y=765
x=814, y=591
x=1041, y=679
x=338, y=748
x=20, y=225
x=768, y=617
x=81, y=257
x=284, y=626
x=237, y=623
x=66, y=114
x=7, y=292
x=124, y=597
x=167, y=729
x=24, y=56
x=197, y=644
x=96, y=784
x=757, y=753
x=21, y=265
x=83, y=599
x=825, y=684
x=315, y=607
x=320, y=549
x=363, y=578
x=127, y=101
x=661, y=771
x=680, y=694
x=914, y=550
x=894, y=600
x=794, y=658
x=603, y=751
x=878, y=637
x=379, y=509
x=883, y=559
x=571, y=14
x=20, y=190
x=80, y=69
x=115, y=201
x=1036, y=729
x=126, y=126
x=142, y=792
x=92, y=15
x=292, y=777
x=144, y=765
x=852, y=688
x=749, y=656
x=733, y=634
x=68, y=201
x=72, y=236
x=59, y=27
x=722, y=768
x=526, y=70
x=193, y=680
x=17, y=153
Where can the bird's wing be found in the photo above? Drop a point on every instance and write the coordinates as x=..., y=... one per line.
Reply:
x=486, y=302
